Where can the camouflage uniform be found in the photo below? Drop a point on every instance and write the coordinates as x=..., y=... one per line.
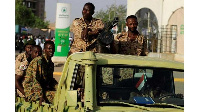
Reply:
x=124, y=73
x=39, y=79
x=79, y=45
x=123, y=45
x=21, y=64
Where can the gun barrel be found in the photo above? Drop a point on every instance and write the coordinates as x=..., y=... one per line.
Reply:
x=113, y=23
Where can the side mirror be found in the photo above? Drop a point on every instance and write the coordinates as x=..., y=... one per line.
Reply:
x=72, y=98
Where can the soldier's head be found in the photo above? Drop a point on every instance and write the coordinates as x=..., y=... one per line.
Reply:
x=88, y=10
x=49, y=48
x=132, y=23
x=28, y=46
x=36, y=51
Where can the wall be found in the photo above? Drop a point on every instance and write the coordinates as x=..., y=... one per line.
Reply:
x=178, y=18
x=134, y=5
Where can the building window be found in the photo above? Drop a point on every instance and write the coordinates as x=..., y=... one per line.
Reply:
x=174, y=38
x=23, y=3
x=29, y=4
x=174, y=31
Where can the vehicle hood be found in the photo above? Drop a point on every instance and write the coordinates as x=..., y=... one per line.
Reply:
x=137, y=109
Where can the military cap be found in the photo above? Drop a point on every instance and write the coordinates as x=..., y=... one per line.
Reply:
x=30, y=42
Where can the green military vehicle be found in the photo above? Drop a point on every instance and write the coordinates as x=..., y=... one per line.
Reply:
x=99, y=82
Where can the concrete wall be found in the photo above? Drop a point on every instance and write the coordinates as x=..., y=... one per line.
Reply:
x=163, y=9
x=177, y=18
x=134, y=5
x=169, y=7
x=168, y=56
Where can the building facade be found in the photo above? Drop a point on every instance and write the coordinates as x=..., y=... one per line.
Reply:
x=37, y=7
x=162, y=20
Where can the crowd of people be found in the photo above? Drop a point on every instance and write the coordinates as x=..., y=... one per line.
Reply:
x=21, y=40
x=34, y=68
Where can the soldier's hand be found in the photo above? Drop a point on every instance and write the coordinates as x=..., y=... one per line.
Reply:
x=95, y=32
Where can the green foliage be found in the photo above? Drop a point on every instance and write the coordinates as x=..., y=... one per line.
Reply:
x=110, y=12
x=40, y=24
x=25, y=17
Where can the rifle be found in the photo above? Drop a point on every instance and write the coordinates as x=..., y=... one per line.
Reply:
x=105, y=37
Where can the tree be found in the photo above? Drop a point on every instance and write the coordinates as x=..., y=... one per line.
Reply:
x=25, y=17
x=110, y=12
x=40, y=24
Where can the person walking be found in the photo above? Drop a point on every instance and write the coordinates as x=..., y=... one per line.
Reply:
x=42, y=41
x=20, y=44
x=37, y=41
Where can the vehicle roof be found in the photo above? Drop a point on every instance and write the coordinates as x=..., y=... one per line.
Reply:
x=119, y=59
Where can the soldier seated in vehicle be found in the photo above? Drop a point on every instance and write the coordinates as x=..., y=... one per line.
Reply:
x=35, y=52
x=39, y=83
x=21, y=64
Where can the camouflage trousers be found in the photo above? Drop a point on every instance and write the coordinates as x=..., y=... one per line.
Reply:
x=36, y=96
x=34, y=93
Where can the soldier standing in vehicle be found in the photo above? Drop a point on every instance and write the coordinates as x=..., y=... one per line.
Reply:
x=85, y=30
x=130, y=42
x=39, y=83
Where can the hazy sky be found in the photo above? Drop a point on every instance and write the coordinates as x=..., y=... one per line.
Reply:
x=77, y=6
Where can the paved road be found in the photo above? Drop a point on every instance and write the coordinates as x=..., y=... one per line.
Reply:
x=179, y=84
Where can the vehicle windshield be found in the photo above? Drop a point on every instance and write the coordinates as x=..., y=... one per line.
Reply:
x=140, y=85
